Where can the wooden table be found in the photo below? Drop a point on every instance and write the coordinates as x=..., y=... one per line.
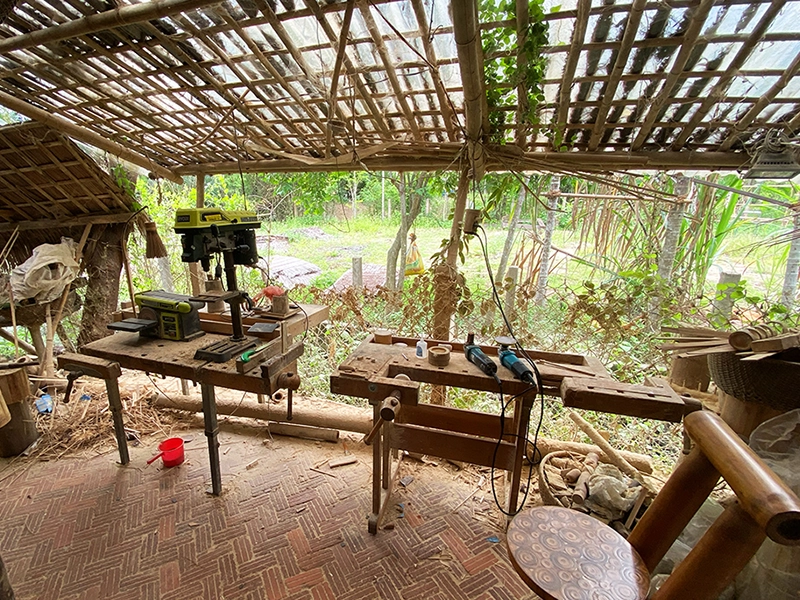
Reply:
x=561, y=553
x=176, y=359
x=371, y=372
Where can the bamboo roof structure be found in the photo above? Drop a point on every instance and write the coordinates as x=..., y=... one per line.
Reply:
x=182, y=87
x=50, y=187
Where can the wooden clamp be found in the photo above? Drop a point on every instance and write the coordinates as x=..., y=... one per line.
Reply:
x=89, y=365
x=390, y=408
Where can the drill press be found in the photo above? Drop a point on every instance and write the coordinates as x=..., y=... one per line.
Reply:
x=206, y=232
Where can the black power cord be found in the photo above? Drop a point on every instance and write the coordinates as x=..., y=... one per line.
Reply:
x=504, y=405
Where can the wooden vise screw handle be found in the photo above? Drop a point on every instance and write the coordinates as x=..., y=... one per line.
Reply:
x=389, y=410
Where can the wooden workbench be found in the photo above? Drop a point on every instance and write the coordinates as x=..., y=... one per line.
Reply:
x=372, y=371
x=176, y=359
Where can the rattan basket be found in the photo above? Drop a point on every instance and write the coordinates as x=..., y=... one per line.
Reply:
x=544, y=487
x=775, y=383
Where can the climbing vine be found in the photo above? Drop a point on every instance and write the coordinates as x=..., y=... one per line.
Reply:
x=503, y=74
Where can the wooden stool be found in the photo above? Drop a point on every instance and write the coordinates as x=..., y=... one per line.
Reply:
x=561, y=553
x=564, y=555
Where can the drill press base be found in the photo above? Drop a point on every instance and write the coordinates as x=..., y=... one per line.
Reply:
x=224, y=350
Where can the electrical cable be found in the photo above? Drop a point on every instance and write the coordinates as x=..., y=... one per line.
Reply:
x=538, y=386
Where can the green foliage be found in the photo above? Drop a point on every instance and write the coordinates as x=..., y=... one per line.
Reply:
x=502, y=72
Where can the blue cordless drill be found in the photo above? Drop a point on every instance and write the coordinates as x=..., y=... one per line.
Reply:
x=510, y=361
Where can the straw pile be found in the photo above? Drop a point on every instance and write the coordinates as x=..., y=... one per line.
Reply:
x=87, y=426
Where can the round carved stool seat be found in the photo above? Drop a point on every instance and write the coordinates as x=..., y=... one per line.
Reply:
x=565, y=555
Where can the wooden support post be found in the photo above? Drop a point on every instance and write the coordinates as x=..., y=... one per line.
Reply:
x=212, y=433
x=358, y=274
x=724, y=304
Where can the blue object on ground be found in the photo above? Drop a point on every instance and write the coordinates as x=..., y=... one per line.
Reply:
x=44, y=404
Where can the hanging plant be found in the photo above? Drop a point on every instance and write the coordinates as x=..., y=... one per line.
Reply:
x=503, y=75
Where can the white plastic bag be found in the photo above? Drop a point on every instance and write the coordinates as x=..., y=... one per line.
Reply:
x=43, y=277
x=774, y=572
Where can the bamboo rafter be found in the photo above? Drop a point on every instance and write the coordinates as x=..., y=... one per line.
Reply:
x=218, y=83
x=717, y=93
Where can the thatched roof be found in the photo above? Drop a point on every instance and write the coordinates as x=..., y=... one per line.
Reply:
x=188, y=86
x=49, y=187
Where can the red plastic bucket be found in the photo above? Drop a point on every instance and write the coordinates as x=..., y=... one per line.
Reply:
x=171, y=452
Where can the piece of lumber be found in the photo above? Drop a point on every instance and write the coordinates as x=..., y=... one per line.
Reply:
x=777, y=343
x=617, y=459
x=308, y=432
x=607, y=395
x=581, y=491
x=343, y=461
x=546, y=446
x=305, y=411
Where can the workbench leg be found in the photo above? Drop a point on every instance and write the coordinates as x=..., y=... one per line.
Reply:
x=522, y=410
x=115, y=404
x=376, y=473
x=212, y=433
x=387, y=458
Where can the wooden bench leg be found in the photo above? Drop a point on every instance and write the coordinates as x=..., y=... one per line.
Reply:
x=115, y=404
x=212, y=433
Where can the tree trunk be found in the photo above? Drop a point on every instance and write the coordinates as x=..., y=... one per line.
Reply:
x=547, y=242
x=792, y=265
x=669, y=248
x=394, y=280
x=445, y=273
x=103, y=266
x=512, y=232
x=672, y=230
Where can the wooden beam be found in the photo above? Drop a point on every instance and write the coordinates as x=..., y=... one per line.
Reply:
x=340, y=52
x=717, y=93
x=631, y=28
x=62, y=223
x=523, y=105
x=764, y=101
x=564, y=92
x=84, y=135
x=375, y=114
x=418, y=159
x=127, y=15
x=687, y=42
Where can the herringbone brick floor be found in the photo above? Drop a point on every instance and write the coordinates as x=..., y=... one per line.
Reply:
x=90, y=529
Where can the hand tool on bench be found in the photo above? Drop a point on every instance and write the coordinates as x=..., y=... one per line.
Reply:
x=478, y=357
x=389, y=411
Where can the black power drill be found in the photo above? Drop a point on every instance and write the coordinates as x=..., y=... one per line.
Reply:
x=478, y=357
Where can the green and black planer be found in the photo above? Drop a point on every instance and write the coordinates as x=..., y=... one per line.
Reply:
x=164, y=315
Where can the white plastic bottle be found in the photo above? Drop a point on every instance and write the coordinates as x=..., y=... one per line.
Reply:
x=422, y=348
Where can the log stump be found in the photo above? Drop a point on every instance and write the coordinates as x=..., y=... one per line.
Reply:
x=20, y=430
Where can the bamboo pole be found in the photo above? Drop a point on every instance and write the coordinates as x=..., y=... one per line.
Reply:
x=127, y=15
x=631, y=27
x=564, y=92
x=85, y=135
x=388, y=64
x=685, y=52
x=448, y=116
x=348, y=16
x=717, y=93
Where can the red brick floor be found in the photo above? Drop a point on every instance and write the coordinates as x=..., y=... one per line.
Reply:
x=87, y=528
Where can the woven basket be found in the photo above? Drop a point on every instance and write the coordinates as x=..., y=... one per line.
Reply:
x=544, y=488
x=775, y=383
